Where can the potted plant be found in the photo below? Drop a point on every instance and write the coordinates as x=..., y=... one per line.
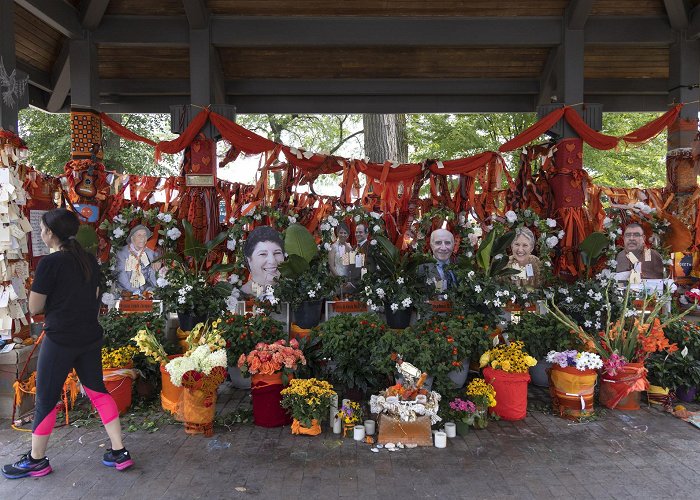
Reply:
x=506, y=368
x=391, y=282
x=308, y=400
x=191, y=285
x=574, y=375
x=358, y=357
x=462, y=413
x=541, y=334
x=242, y=333
x=120, y=328
x=350, y=415
x=450, y=342
x=624, y=344
x=200, y=371
x=305, y=280
x=483, y=395
x=118, y=373
x=271, y=366
x=678, y=371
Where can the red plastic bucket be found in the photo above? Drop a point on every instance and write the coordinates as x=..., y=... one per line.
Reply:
x=119, y=388
x=267, y=410
x=511, y=393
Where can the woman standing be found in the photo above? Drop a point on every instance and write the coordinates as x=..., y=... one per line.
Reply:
x=65, y=289
x=338, y=256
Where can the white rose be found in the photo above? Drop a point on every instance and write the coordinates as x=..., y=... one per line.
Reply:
x=161, y=242
x=375, y=215
x=161, y=282
x=292, y=220
x=377, y=229
x=231, y=244
x=108, y=299
x=173, y=233
x=373, y=242
x=607, y=222
x=551, y=223
x=327, y=246
x=118, y=232
x=357, y=218
x=511, y=216
x=325, y=226
x=561, y=234
x=552, y=241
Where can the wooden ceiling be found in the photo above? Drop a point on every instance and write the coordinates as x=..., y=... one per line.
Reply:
x=255, y=42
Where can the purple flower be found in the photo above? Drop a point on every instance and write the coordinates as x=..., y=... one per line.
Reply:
x=463, y=406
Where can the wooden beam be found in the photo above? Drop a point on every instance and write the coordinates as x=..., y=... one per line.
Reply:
x=577, y=13
x=92, y=12
x=197, y=13
x=84, y=74
x=677, y=11
x=546, y=84
x=37, y=78
x=200, y=67
x=61, y=16
x=60, y=77
x=8, y=60
x=401, y=87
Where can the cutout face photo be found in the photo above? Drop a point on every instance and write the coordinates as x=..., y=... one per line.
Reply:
x=442, y=243
x=263, y=263
x=522, y=248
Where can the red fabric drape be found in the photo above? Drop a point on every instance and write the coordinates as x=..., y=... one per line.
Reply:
x=245, y=140
x=186, y=138
x=124, y=132
x=590, y=136
x=533, y=131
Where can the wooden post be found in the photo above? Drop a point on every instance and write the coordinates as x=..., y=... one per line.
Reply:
x=19, y=97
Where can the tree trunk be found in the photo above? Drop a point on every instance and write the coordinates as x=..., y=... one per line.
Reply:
x=382, y=140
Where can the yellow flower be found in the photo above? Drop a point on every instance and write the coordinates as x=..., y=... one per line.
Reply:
x=485, y=359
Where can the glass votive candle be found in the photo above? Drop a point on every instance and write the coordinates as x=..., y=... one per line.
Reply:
x=369, y=427
x=450, y=429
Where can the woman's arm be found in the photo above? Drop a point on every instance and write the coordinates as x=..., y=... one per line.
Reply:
x=37, y=301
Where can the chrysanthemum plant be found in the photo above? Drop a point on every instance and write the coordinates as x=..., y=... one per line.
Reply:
x=307, y=399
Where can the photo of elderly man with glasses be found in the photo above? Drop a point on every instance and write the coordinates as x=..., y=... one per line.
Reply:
x=636, y=262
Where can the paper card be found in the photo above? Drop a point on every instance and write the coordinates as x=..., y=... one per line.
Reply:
x=16, y=310
x=25, y=225
x=4, y=219
x=23, y=245
x=529, y=272
x=16, y=231
x=4, y=196
x=10, y=188
x=7, y=323
x=363, y=271
x=632, y=258
x=341, y=249
x=4, y=208
x=346, y=259
x=4, y=233
x=18, y=288
x=12, y=292
x=20, y=270
x=12, y=212
x=5, y=158
x=647, y=255
x=359, y=260
x=4, y=297
x=7, y=347
x=438, y=285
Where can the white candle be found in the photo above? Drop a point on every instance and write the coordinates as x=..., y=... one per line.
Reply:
x=337, y=426
x=359, y=432
x=369, y=427
x=440, y=440
x=334, y=407
x=450, y=429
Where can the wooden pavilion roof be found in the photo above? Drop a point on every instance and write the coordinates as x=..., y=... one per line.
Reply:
x=360, y=56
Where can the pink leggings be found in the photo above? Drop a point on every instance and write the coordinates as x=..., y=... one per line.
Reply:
x=103, y=401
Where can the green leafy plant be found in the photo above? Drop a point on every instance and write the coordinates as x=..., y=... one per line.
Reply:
x=392, y=279
x=592, y=248
x=190, y=283
x=304, y=275
x=243, y=332
x=542, y=334
x=492, y=258
x=355, y=353
x=119, y=327
x=673, y=370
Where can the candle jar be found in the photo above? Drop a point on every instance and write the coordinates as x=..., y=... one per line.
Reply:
x=369, y=427
x=450, y=429
x=359, y=433
x=440, y=439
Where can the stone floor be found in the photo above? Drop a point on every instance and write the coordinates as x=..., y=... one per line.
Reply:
x=634, y=454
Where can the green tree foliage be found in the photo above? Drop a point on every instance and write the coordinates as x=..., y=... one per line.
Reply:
x=630, y=166
x=429, y=136
x=48, y=138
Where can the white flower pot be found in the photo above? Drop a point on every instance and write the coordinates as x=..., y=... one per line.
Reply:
x=237, y=379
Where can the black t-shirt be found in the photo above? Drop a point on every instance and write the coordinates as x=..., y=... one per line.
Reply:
x=71, y=302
